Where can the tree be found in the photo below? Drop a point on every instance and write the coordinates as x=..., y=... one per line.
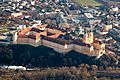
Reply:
x=94, y=72
x=84, y=71
x=25, y=57
x=6, y=55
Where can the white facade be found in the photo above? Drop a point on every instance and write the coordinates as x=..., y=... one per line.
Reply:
x=17, y=67
x=28, y=41
x=11, y=0
x=90, y=51
x=61, y=48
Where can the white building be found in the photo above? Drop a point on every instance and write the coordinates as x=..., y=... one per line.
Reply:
x=16, y=67
x=10, y=0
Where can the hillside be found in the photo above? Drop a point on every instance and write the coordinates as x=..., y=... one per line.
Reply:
x=43, y=57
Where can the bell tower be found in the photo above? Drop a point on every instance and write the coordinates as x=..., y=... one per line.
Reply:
x=88, y=37
x=15, y=36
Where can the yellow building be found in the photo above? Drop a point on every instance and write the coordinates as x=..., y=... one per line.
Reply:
x=99, y=45
x=88, y=38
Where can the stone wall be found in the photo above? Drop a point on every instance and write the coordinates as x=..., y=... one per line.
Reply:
x=62, y=48
x=28, y=41
x=57, y=47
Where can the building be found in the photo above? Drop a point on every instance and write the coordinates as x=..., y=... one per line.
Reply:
x=16, y=68
x=59, y=40
x=16, y=14
x=10, y=0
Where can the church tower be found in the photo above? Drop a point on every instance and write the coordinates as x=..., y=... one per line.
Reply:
x=88, y=38
x=15, y=36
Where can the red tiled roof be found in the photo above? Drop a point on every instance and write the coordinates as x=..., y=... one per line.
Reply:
x=54, y=36
x=25, y=31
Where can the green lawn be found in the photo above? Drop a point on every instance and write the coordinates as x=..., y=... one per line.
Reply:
x=4, y=30
x=88, y=2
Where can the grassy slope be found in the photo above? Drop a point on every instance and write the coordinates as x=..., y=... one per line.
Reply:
x=88, y=2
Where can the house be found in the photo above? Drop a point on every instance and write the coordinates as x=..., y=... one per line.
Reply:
x=16, y=14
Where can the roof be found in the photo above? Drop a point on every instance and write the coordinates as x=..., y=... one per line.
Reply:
x=34, y=35
x=88, y=15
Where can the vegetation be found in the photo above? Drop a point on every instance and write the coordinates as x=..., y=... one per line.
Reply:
x=82, y=72
x=88, y=2
x=5, y=55
x=3, y=30
x=41, y=56
x=52, y=65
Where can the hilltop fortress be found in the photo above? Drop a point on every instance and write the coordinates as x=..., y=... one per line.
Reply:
x=59, y=40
